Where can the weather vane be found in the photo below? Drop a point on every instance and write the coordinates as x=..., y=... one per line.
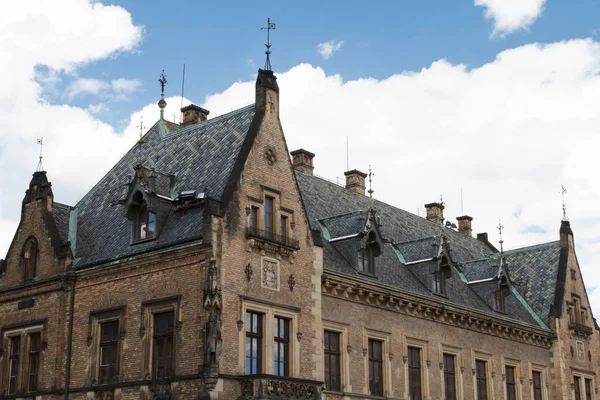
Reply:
x=40, y=166
x=163, y=81
x=500, y=227
x=270, y=26
x=370, y=191
x=563, y=190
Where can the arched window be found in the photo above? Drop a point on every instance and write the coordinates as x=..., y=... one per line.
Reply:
x=30, y=256
x=439, y=277
x=367, y=254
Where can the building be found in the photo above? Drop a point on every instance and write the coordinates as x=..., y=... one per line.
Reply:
x=211, y=263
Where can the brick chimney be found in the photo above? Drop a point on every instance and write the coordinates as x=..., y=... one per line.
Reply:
x=355, y=181
x=435, y=212
x=193, y=114
x=302, y=161
x=464, y=225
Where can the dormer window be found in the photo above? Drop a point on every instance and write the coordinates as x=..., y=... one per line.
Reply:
x=146, y=224
x=30, y=256
x=439, y=277
x=366, y=261
x=500, y=300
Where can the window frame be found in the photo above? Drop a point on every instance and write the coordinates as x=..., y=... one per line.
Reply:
x=511, y=390
x=37, y=354
x=282, y=342
x=257, y=224
x=484, y=378
x=415, y=367
x=424, y=350
x=588, y=383
x=445, y=349
x=14, y=359
x=365, y=253
x=94, y=336
x=577, y=387
x=258, y=336
x=158, y=337
x=330, y=354
x=449, y=374
x=29, y=268
x=342, y=330
x=269, y=311
x=23, y=333
x=489, y=366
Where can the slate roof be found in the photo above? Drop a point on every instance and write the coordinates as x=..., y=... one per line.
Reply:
x=61, y=213
x=200, y=156
x=336, y=212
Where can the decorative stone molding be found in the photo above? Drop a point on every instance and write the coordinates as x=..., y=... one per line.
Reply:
x=269, y=272
x=409, y=304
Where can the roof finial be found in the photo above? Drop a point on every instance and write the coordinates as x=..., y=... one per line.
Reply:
x=370, y=191
x=40, y=166
x=563, y=190
x=442, y=200
x=500, y=227
x=162, y=103
x=141, y=141
x=268, y=44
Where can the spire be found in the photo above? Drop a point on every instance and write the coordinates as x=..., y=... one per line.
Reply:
x=563, y=190
x=40, y=166
x=162, y=103
x=269, y=27
x=500, y=227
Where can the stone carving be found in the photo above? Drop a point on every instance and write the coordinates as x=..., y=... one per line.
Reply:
x=580, y=351
x=270, y=156
x=270, y=274
x=213, y=344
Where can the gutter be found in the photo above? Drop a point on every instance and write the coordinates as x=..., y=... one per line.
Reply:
x=73, y=278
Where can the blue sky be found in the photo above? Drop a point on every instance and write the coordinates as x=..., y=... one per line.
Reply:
x=494, y=99
x=221, y=42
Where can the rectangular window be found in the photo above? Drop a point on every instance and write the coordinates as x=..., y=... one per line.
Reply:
x=332, y=361
x=13, y=364
x=414, y=373
x=481, y=373
x=283, y=226
x=537, y=385
x=588, y=389
x=254, y=217
x=269, y=215
x=365, y=260
x=449, y=377
x=253, y=342
x=281, y=348
x=109, y=341
x=439, y=286
x=375, y=367
x=577, y=387
x=164, y=351
x=511, y=385
x=34, y=361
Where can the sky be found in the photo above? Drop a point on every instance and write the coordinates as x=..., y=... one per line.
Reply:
x=492, y=104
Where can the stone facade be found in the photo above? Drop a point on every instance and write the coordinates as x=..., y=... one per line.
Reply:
x=258, y=247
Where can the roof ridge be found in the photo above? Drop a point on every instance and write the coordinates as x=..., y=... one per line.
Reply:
x=530, y=247
x=208, y=122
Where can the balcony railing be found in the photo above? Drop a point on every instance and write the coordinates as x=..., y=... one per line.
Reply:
x=273, y=238
x=587, y=330
x=270, y=387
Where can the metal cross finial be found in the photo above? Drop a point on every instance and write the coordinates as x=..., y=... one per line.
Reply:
x=563, y=190
x=370, y=191
x=442, y=200
x=500, y=227
x=163, y=81
x=40, y=166
x=268, y=44
x=141, y=141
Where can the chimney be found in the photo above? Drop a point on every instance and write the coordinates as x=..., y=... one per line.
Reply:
x=302, y=161
x=355, y=181
x=193, y=114
x=464, y=225
x=483, y=237
x=435, y=212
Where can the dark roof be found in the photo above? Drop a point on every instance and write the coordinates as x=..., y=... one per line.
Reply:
x=339, y=212
x=61, y=213
x=199, y=156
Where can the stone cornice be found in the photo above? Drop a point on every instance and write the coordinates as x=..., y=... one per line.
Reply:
x=409, y=304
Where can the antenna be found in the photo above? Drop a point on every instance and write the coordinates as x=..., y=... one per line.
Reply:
x=40, y=166
x=182, y=86
x=268, y=44
x=347, y=156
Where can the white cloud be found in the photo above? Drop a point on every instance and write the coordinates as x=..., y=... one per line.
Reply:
x=117, y=87
x=123, y=85
x=508, y=133
x=96, y=108
x=327, y=49
x=509, y=15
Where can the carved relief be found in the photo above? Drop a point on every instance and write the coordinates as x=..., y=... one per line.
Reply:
x=270, y=274
x=580, y=351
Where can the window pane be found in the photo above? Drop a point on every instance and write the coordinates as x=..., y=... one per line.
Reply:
x=283, y=227
x=577, y=387
x=414, y=373
x=269, y=215
x=253, y=342
x=511, y=391
x=332, y=360
x=164, y=353
x=481, y=380
x=281, y=346
x=13, y=364
x=375, y=368
x=449, y=377
x=537, y=385
x=588, y=389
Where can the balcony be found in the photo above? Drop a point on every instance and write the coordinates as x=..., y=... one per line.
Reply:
x=270, y=387
x=272, y=238
x=581, y=328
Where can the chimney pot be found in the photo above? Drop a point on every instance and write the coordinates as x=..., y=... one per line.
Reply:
x=435, y=212
x=355, y=181
x=193, y=114
x=302, y=160
x=464, y=225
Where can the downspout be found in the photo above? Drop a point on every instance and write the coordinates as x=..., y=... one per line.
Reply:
x=72, y=277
